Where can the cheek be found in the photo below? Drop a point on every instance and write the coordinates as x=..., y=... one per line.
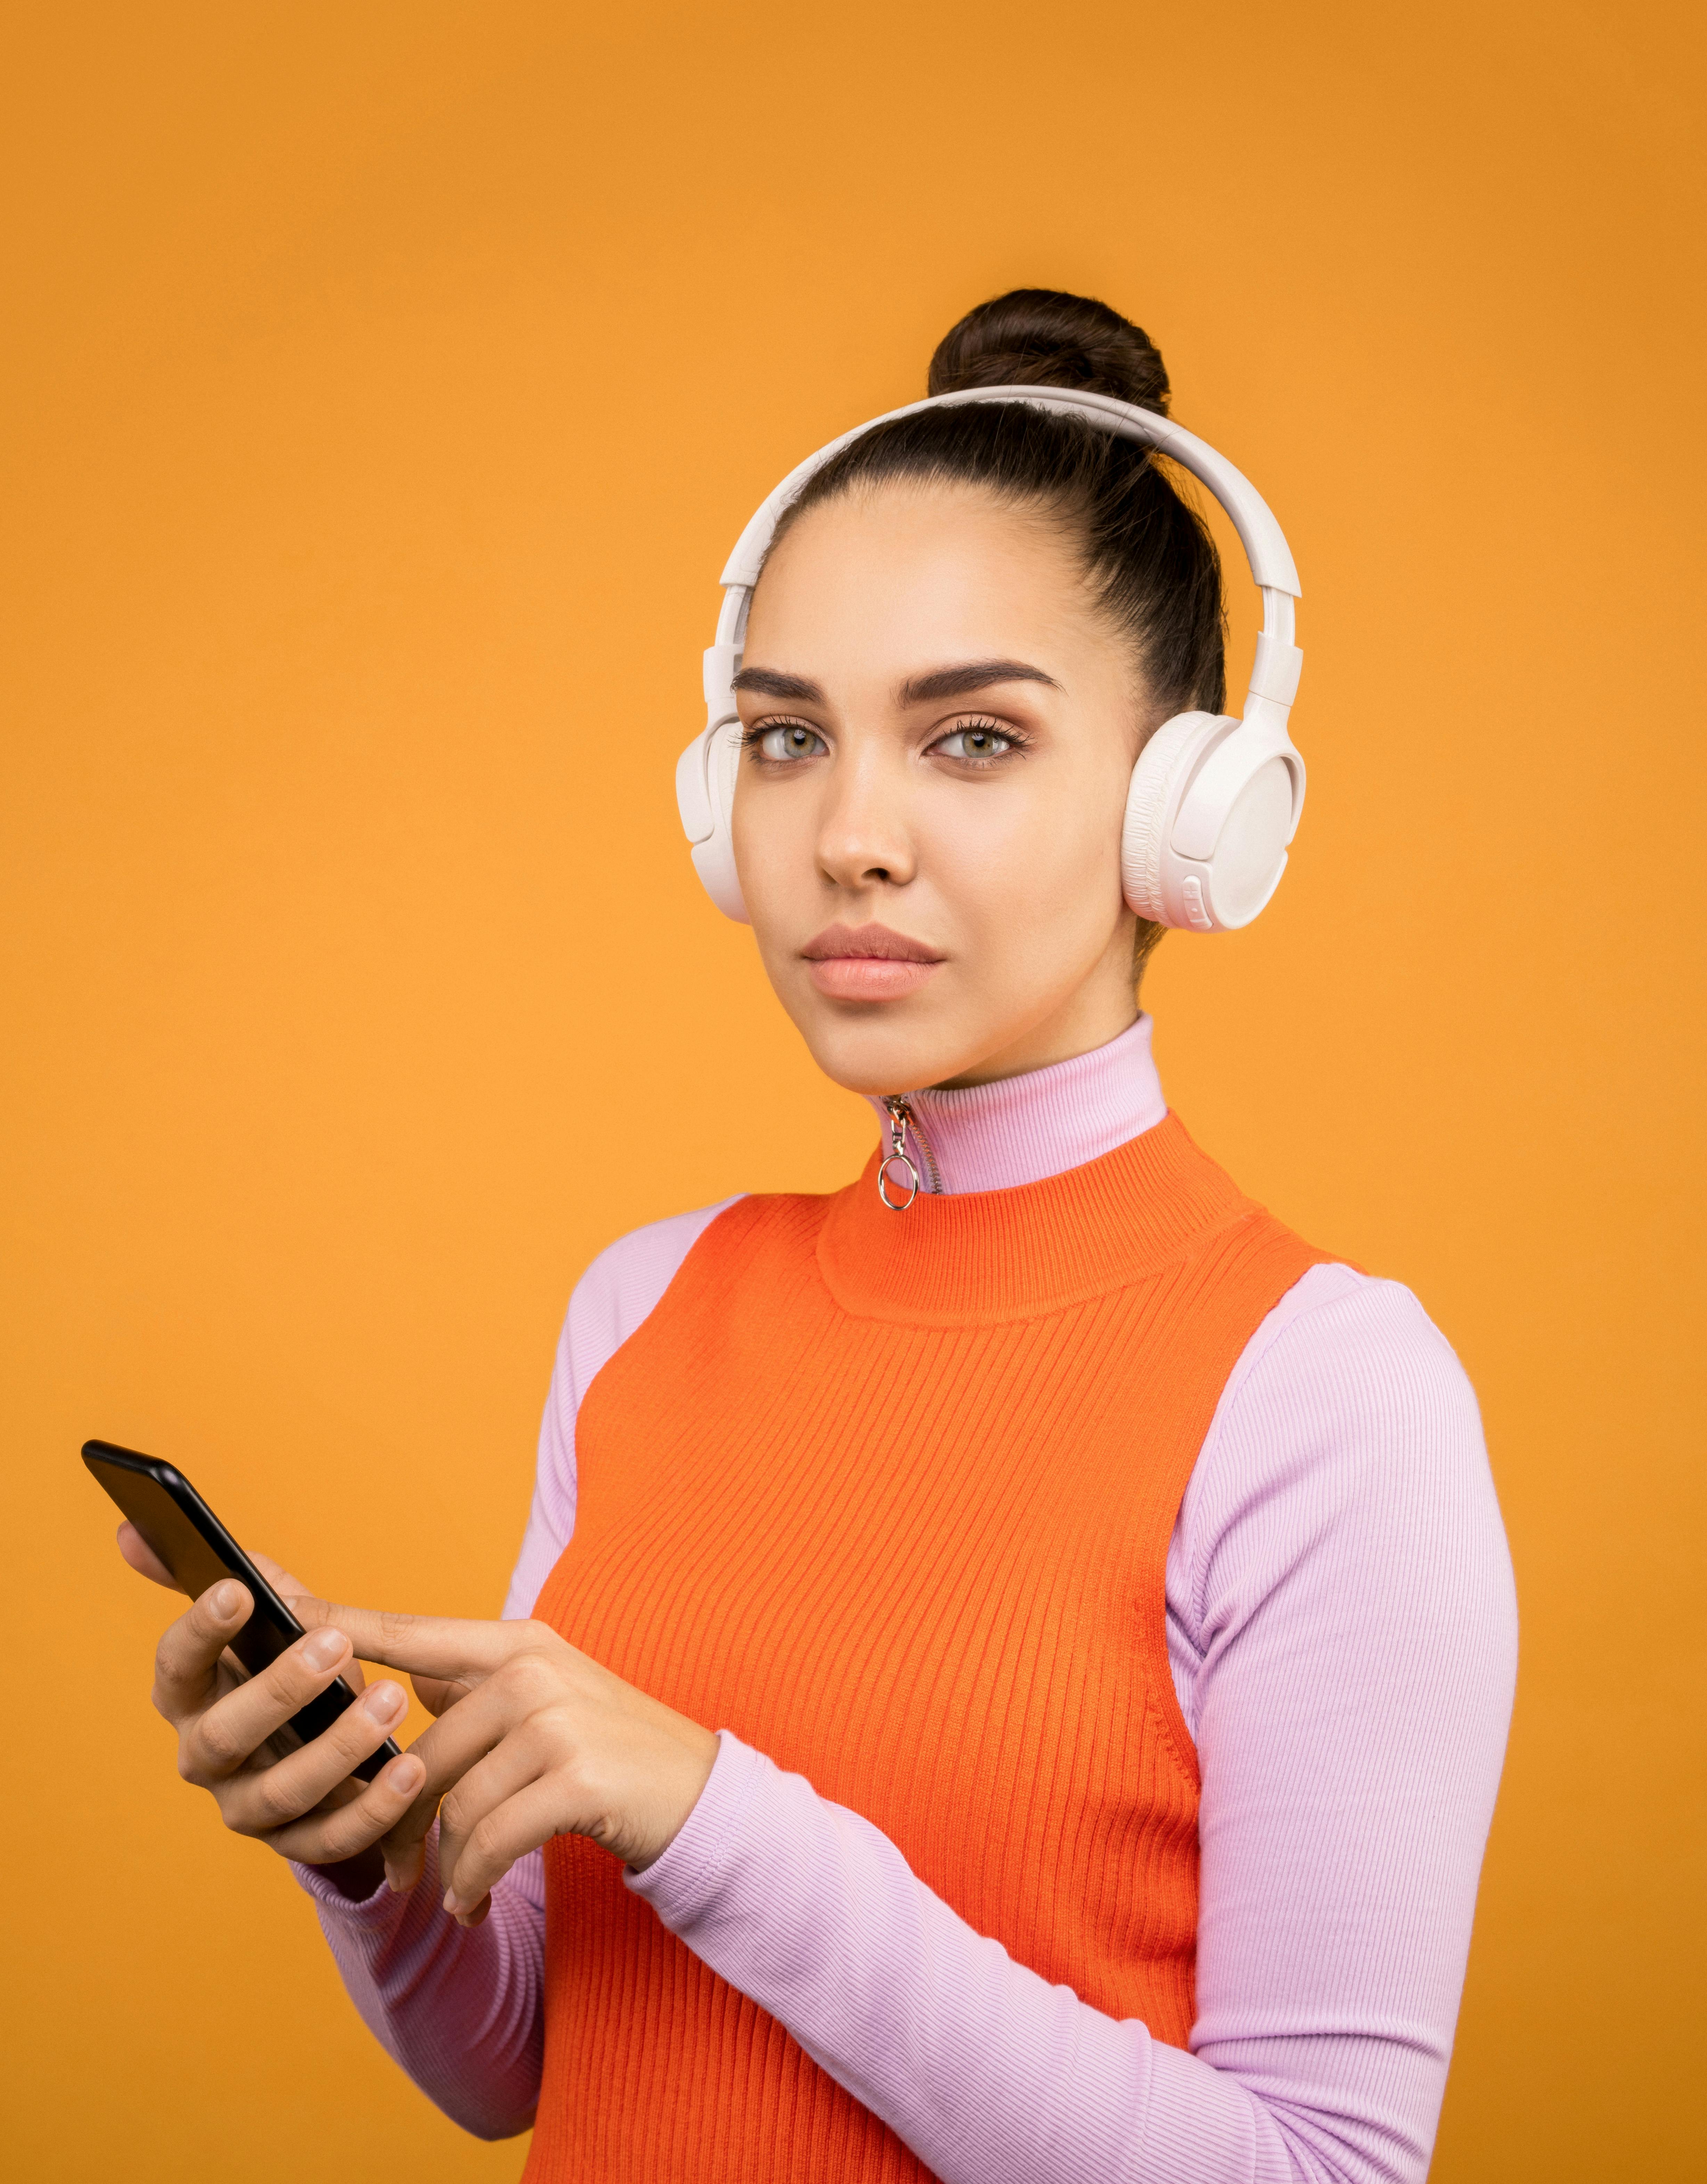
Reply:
x=1035, y=871
x=774, y=836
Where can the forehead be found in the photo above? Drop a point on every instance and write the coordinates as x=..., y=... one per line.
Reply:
x=876, y=579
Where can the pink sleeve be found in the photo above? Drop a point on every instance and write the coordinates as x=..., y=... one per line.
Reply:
x=1343, y=1630
x=463, y=2011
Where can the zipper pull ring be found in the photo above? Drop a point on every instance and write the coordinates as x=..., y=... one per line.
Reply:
x=898, y=1158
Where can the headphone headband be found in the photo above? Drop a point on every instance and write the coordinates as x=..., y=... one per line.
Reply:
x=1261, y=536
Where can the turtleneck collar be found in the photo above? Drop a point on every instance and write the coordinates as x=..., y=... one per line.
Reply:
x=978, y=1258
x=1022, y=1130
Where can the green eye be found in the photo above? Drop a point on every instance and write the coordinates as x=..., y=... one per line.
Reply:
x=791, y=742
x=975, y=743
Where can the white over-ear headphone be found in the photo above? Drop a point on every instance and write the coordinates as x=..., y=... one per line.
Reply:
x=1213, y=801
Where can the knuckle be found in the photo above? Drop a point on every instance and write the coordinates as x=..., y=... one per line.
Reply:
x=291, y=1681
x=216, y=1742
x=394, y=1625
x=342, y=1836
x=272, y=1796
x=356, y=1737
x=552, y=1736
x=529, y=1678
x=275, y=1801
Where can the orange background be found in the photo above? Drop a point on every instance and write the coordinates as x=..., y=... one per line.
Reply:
x=386, y=384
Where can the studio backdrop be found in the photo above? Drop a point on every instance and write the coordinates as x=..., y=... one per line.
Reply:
x=385, y=386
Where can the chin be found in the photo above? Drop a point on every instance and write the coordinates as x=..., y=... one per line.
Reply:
x=881, y=1056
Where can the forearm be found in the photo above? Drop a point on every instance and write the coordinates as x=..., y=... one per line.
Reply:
x=989, y=2074
x=461, y=2009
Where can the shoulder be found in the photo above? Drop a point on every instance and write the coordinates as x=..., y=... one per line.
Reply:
x=631, y=1274
x=621, y=1288
x=1344, y=1347
x=1347, y=1424
x=611, y=1298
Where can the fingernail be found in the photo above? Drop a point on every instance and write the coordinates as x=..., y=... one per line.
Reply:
x=385, y=1701
x=227, y=1600
x=407, y=1774
x=325, y=1648
x=450, y=1902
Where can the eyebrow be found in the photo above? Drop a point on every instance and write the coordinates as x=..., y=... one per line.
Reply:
x=767, y=683
x=916, y=690
x=975, y=675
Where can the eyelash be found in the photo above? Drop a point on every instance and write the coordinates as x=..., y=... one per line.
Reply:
x=973, y=724
x=981, y=724
x=753, y=737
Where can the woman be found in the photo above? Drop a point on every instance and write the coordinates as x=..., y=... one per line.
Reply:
x=1018, y=1652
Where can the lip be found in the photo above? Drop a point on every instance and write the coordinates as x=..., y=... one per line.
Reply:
x=867, y=963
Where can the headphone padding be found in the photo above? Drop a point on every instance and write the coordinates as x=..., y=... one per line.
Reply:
x=1163, y=767
x=717, y=750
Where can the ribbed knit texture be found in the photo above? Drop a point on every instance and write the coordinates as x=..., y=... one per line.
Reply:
x=890, y=1498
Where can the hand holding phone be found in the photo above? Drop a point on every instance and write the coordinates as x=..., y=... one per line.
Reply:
x=279, y=1749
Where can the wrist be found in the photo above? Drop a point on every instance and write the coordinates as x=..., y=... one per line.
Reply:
x=700, y=1751
x=731, y=1822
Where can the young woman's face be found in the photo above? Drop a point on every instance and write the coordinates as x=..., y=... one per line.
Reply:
x=940, y=725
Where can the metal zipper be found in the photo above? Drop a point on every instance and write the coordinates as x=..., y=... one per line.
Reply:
x=902, y=1121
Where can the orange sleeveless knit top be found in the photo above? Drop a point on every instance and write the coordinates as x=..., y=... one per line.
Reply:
x=890, y=1497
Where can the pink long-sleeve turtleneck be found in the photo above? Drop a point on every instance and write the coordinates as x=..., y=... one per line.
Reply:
x=1341, y=1634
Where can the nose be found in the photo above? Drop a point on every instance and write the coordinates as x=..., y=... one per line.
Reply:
x=864, y=839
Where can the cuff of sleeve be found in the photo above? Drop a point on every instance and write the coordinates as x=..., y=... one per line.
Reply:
x=373, y=1913
x=682, y=1886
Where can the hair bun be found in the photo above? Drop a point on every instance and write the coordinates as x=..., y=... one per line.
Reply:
x=1045, y=338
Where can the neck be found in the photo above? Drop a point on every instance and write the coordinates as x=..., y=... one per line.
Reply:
x=1020, y=1129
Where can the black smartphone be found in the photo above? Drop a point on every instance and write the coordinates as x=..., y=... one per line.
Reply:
x=198, y=1550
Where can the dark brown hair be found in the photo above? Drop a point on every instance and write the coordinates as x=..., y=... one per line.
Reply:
x=1145, y=548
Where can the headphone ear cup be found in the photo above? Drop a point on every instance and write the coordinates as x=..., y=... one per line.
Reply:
x=1212, y=804
x=1165, y=766
x=705, y=778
